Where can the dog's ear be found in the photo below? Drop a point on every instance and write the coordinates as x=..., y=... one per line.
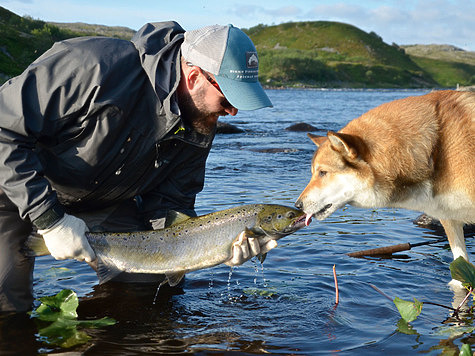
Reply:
x=346, y=145
x=318, y=140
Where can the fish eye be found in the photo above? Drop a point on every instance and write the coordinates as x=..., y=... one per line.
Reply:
x=279, y=216
x=291, y=214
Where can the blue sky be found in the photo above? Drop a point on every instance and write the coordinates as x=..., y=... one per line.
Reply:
x=396, y=21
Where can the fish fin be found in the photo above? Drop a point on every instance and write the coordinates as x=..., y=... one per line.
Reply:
x=250, y=233
x=262, y=257
x=175, y=217
x=174, y=278
x=35, y=246
x=106, y=271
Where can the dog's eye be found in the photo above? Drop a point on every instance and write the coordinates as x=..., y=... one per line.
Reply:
x=322, y=173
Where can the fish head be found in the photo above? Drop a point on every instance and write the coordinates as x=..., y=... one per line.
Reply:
x=277, y=221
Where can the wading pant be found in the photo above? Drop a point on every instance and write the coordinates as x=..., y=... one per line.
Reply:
x=16, y=270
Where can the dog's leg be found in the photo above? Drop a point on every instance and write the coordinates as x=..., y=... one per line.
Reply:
x=454, y=231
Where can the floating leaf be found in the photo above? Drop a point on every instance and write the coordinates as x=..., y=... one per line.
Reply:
x=463, y=271
x=466, y=350
x=409, y=310
x=61, y=311
x=63, y=304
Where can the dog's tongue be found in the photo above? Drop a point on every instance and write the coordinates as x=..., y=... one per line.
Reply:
x=308, y=219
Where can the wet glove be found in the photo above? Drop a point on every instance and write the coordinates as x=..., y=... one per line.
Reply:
x=245, y=247
x=67, y=239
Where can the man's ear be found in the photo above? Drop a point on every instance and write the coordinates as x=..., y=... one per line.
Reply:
x=191, y=76
x=346, y=145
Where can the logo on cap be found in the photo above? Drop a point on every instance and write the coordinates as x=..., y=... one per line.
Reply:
x=251, y=60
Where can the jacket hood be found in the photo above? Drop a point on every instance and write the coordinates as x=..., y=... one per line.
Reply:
x=159, y=45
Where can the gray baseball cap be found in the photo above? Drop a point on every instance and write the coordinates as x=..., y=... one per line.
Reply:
x=228, y=54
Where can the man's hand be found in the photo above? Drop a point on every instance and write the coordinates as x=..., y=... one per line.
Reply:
x=67, y=239
x=247, y=247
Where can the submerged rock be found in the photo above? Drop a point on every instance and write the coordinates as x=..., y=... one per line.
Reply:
x=274, y=150
x=225, y=128
x=301, y=127
x=429, y=222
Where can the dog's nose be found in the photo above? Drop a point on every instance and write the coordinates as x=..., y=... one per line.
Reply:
x=299, y=204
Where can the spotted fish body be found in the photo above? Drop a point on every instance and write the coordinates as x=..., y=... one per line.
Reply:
x=190, y=244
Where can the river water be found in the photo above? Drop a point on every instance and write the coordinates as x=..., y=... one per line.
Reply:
x=286, y=305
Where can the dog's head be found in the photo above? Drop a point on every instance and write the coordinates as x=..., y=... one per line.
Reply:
x=339, y=175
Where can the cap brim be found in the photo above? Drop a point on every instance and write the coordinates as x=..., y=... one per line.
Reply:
x=243, y=95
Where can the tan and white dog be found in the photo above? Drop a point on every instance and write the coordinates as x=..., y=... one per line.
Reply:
x=415, y=153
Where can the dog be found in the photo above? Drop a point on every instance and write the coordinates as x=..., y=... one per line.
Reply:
x=416, y=153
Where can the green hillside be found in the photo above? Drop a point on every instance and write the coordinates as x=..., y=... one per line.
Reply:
x=448, y=65
x=298, y=54
x=332, y=54
x=23, y=39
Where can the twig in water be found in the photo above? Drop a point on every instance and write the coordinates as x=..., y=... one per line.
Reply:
x=337, y=295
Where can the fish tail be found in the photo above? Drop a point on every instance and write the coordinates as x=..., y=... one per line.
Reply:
x=105, y=270
x=35, y=246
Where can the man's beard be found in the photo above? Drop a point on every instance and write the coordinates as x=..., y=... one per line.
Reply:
x=200, y=119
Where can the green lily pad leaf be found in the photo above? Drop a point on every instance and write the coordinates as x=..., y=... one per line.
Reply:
x=466, y=350
x=463, y=271
x=409, y=310
x=63, y=304
x=63, y=331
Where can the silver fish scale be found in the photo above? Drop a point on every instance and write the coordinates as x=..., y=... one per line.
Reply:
x=193, y=244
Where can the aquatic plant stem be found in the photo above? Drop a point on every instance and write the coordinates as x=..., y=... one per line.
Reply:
x=337, y=294
x=431, y=303
x=463, y=301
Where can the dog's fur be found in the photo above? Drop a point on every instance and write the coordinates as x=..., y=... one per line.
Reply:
x=415, y=153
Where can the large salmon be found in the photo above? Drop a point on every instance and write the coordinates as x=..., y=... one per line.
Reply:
x=187, y=244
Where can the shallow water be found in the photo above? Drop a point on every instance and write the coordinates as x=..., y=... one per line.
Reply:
x=287, y=305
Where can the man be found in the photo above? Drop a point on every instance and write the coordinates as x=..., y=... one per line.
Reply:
x=106, y=134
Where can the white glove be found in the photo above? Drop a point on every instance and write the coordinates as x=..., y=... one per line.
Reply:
x=245, y=247
x=67, y=239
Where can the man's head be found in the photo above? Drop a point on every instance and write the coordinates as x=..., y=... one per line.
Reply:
x=219, y=75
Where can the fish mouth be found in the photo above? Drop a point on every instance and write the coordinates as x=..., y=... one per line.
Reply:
x=297, y=224
x=302, y=221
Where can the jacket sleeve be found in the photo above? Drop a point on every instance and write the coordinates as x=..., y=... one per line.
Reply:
x=34, y=107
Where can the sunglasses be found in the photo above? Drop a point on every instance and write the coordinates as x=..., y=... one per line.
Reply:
x=225, y=103
x=213, y=82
